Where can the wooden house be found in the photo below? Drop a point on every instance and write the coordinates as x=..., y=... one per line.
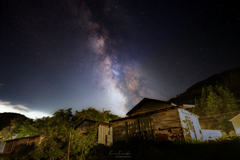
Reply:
x=104, y=133
x=236, y=123
x=11, y=144
x=164, y=120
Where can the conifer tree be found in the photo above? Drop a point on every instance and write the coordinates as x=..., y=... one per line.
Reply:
x=217, y=104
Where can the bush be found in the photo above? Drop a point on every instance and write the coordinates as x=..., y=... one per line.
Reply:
x=99, y=152
x=187, y=150
x=22, y=152
x=5, y=157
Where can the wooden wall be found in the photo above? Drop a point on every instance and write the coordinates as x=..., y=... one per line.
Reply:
x=122, y=130
x=165, y=124
x=10, y=145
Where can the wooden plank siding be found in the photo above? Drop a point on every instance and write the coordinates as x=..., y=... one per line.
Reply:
x=11, y=144
x=163, y=120
x=165, y=123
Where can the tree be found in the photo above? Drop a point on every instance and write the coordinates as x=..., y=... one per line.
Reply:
x=219, y=105
x=28, y=129
x=93, y=114
x=13, y=129
x=56, y=130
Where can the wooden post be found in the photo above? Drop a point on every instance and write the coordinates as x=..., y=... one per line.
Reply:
x=68, y=151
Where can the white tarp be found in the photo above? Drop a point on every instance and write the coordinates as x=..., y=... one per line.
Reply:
x=211, y=134
x=2, y=145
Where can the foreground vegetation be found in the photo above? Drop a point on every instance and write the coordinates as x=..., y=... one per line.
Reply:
x=221, y=149
x=224, y=148
x=56, y=131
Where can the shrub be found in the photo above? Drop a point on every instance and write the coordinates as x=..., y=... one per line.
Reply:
x=99, y=152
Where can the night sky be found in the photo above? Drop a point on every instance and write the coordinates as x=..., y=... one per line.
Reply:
x=110, y=54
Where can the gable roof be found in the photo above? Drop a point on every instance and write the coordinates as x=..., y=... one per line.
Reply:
x=143, y=102
x=89, y=120
x=23, y=138
x=149, y=113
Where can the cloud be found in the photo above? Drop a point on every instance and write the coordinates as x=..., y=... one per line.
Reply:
x=21, y=107
x=8, y=107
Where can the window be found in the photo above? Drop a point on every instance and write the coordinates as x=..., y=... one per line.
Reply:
x=9, y=147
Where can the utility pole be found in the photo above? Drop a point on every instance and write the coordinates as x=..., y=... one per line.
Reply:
x=103, y=110
x=68, y=151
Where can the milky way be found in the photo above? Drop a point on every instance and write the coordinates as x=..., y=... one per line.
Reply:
x=116, y=80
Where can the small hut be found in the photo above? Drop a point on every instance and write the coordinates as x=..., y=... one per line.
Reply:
x=31, y=140
x=104, y=133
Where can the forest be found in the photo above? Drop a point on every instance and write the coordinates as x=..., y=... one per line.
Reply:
x=216, y=100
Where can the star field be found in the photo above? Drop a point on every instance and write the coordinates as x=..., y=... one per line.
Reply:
x=110, y=54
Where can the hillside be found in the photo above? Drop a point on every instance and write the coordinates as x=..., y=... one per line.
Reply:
x=230, y=79
x=5, y=119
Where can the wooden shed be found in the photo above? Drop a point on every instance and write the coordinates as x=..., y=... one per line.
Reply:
x=236, y=123
x=154, y=118
x=11, y=144
x=104, y=134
